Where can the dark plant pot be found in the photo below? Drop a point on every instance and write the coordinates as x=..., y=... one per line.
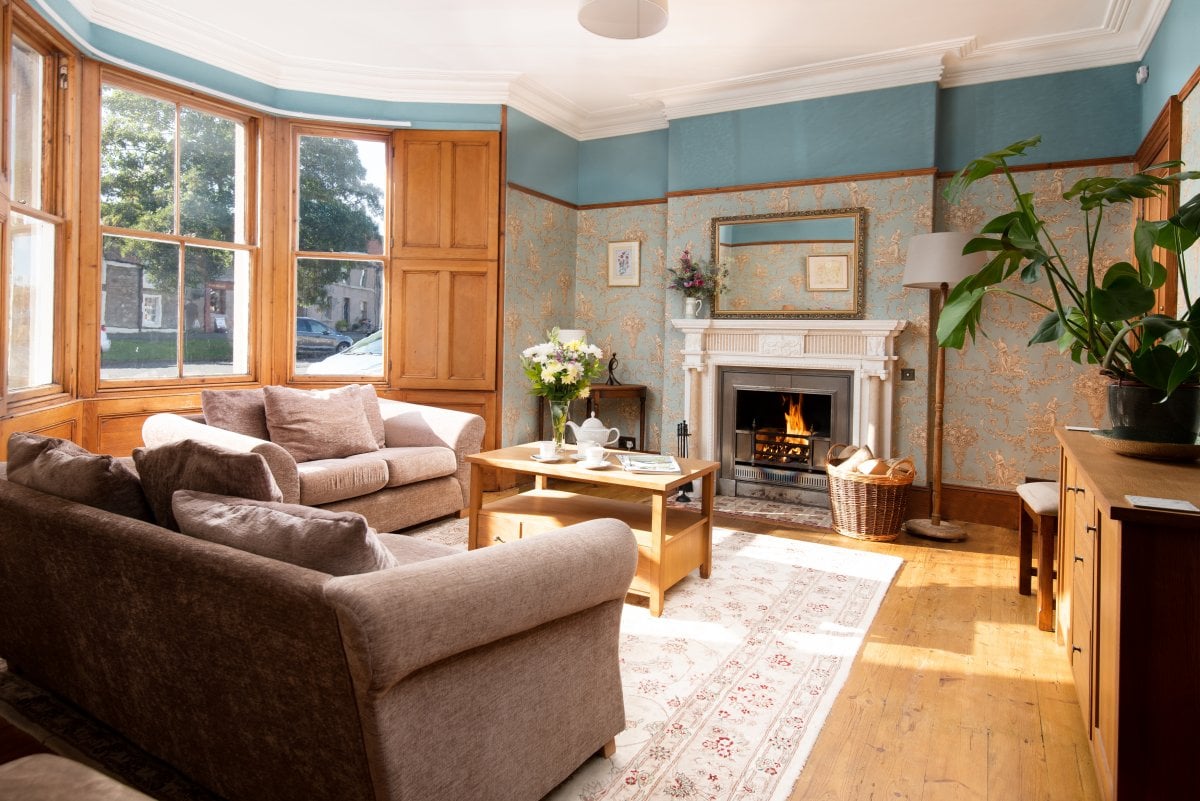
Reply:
x=1137, y=413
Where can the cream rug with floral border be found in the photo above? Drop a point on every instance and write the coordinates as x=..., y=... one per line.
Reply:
x=726, y=693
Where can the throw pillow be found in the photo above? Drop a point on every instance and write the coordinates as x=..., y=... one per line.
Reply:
x=239, y=410
x=370, y=402
x=193, y=465
x=318, y=424
x=61, y=468
x=338, y=543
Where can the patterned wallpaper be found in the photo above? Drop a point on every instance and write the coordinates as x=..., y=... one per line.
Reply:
x=1003, y=398
x=539, y=294
x=1191, y=160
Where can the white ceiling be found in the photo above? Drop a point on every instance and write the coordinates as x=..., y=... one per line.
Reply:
x=715, y=55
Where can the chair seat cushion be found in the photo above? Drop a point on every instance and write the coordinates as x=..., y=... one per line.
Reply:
x=407, y=549
x=410, y=465
x=1041, y=497
x=329, y=480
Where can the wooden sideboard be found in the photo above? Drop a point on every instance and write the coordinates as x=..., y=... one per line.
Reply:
x=1128, y=608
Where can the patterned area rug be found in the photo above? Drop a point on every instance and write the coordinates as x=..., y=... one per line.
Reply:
x=726, y=692
x=793, y=514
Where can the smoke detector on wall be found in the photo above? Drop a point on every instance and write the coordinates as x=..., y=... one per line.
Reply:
x=1142, y=75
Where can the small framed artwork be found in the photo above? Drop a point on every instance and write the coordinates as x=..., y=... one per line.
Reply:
x=828, y=273
x=624, y=265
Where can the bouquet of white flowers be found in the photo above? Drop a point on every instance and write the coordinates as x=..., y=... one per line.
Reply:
x=561, y=371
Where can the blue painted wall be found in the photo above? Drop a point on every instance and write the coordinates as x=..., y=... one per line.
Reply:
x=1082, y=114
x=106, y=44
x=541, y=158
x=632, y=167
x=1172, y=58
x=877, y=131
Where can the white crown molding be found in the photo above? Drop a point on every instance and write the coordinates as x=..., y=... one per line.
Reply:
x=844, y=76
x=1124, y=35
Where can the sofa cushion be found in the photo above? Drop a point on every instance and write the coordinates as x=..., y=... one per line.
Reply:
x=193, y=465
x=410, y=465
x=370, y=402
x=61, y=468
x=240, y=410
x=329, y=480
x=341, y=544
x=318, y=424
x=407, y=549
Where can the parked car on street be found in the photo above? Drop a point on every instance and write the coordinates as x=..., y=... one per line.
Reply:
x=314, y=338
x=364, y=358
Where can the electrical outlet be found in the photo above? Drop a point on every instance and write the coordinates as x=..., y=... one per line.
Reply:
x=908, y=374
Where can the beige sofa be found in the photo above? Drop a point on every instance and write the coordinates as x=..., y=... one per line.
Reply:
x=488, y=674
x=420, y=474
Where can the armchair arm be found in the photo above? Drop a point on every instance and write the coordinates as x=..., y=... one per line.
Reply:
x=413, y=424
x=396, y=621
x=164, y=428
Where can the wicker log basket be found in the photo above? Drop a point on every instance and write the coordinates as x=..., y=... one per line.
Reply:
x=867, y=507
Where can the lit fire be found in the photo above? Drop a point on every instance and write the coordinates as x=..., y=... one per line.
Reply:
x=795, y=419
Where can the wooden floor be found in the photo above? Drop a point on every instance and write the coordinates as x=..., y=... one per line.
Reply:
x=955, y=695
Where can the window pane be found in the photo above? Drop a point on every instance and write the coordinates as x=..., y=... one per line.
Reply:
x=140, y=309
x=216, y=309
x=338, y=329
x=137, y=161
x=212, y=177
x=341, y=195
x=26, y=124
x=31, y=334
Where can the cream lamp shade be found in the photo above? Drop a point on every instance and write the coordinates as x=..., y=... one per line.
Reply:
x=936, y=259
x=623, y=19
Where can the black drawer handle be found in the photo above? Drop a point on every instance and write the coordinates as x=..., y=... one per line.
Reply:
x=1076, y=649
x=1078, y=558
x=1091, y=529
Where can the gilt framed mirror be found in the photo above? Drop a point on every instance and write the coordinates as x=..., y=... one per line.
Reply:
x=792, y=265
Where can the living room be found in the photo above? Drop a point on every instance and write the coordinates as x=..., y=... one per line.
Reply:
x=553, y=188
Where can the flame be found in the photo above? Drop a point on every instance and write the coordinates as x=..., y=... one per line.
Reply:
x=795, y=419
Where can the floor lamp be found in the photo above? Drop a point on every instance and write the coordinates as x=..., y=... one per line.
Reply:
x=936, y=261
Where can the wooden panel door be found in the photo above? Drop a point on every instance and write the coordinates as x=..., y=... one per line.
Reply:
x=1163, y=143
x=448, y=325
x=448, y=199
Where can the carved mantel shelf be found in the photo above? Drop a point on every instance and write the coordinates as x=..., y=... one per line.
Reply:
x=865, y=347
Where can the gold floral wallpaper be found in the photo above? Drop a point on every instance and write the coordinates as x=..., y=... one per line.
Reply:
x=1003, y=398
x=1191, y=160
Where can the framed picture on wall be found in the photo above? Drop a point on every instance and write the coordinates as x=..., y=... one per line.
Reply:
x=624, y=264
x=828, y=273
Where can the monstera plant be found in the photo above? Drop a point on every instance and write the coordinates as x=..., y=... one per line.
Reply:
x=1102, y=314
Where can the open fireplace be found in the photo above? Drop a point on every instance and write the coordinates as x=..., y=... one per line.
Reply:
x=777, y=426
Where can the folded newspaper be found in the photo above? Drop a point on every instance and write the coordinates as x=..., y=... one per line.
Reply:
x=648, y=463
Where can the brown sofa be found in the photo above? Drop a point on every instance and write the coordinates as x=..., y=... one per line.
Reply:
x=419, y=475
x=488, y=674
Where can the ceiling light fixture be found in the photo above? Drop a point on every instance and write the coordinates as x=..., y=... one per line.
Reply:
x=623, y=19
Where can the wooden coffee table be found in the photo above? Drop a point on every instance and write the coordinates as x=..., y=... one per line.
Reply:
x=671, y=543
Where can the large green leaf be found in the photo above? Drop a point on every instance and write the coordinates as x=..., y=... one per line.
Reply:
x=1050, y=329
x=1124, y=298
x=1121, y=269
x=1184, y=370
x=1154, y=366
x=960, y=316
x=984, y=166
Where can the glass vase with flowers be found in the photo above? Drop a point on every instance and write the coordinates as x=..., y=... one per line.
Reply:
x=561, y=372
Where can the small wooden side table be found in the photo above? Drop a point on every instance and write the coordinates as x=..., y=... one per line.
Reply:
x=598, y=391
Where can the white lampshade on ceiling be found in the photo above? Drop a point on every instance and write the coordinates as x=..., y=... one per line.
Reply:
x=936, y=259
x=623, y=19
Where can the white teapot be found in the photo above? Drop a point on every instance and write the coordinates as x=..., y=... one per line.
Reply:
x=593, y=431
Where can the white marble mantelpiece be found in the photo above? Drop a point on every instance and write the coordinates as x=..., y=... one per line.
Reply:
x=865, y=347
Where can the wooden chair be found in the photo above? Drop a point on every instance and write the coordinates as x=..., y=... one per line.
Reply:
x=1039, y=514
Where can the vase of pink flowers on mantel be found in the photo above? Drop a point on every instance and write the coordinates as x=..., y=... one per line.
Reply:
x=696, y=281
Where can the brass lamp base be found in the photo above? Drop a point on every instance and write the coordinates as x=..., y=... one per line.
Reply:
x=943, y=531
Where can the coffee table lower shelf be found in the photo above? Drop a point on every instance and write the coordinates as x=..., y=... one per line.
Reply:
x=685, y=544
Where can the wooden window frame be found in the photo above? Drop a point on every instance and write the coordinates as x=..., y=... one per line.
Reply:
x=61, y=70
x=253, y=126
x=285, y=330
